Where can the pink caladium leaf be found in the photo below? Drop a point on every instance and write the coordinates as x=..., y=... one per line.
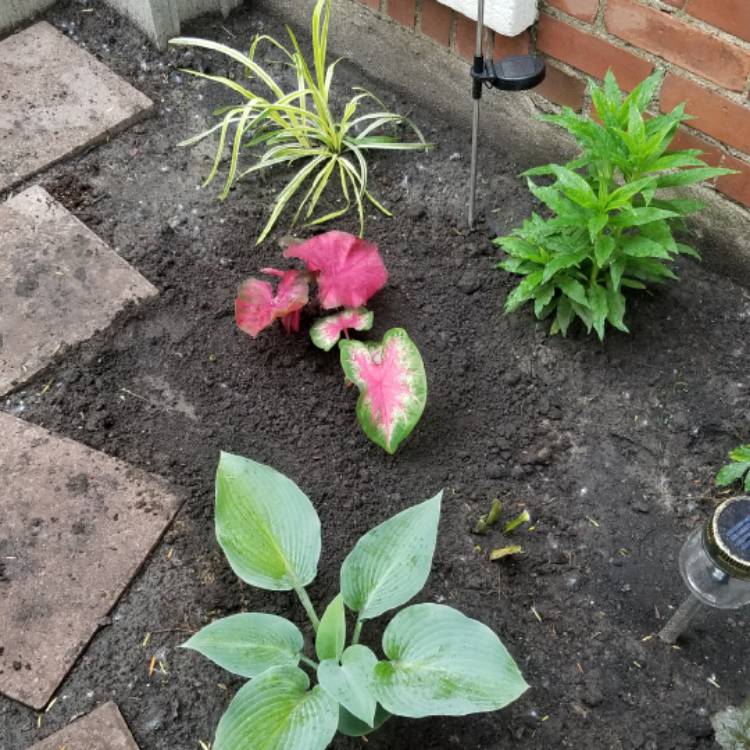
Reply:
x=349, y=269
x=256, y=306
x=326, y=332
x=392, y=383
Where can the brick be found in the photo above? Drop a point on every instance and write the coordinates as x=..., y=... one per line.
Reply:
x=686, y=140
x=589, y=53
x=682, y=43
x=506, y=46
x=730, y=15
x=585, y=10
x=466, y=37
x=715, y=115
x=102, y=729
x=736, y=186
x=62, y=104
x=561, y=88
x=59, y=284
x=437, y=21
x=76, y=527
x=403, y=11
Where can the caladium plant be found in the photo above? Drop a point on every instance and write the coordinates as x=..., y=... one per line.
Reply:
x=393, y=386
x=326, y=332
x=437, y=661
x=348, y=271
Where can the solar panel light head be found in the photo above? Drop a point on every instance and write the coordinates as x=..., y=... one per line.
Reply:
x=715, y=560
x=715, y=565
x=516, y=73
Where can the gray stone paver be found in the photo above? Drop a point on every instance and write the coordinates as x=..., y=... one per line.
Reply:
x=75, y=526
x=102, y=729
x=56, y=99
x=59, y=283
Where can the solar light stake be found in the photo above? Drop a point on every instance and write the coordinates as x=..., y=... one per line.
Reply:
x=476, y=93
x=715, y=565
x=510, y=74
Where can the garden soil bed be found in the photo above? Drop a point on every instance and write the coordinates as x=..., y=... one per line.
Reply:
x=612, y=447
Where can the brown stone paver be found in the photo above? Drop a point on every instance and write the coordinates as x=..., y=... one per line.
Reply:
x=102, y=729
x=59, y=283
x=75, y=526
x=56, y=100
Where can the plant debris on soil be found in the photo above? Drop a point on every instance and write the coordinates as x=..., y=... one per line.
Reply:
x=611, y=447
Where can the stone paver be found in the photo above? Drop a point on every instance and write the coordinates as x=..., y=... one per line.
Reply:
x=102, y=729
x=55, y=101
x=75, y=526
x=59, y=283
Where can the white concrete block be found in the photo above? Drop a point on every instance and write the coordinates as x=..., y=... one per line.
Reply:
x=12, y=12
x=508, y=17
x=161, y=19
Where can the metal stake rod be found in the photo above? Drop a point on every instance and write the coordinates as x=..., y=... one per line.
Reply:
x=477, y=94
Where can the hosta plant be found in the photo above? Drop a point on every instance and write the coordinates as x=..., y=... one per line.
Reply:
x=737, y=470
x=348, y=271
x=609, y=229
x=300, y=127
x=435, y=661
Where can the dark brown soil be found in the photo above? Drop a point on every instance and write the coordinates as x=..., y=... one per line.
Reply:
x=611, y=447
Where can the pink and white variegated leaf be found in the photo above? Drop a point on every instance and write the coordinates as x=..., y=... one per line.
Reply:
x=256, y=306
x=349, y=269
x=326, y=332
x=392, y=383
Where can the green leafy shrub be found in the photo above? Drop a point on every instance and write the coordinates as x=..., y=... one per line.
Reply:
x=437, y=660
x=299, y=127
x=736, y=469
x=609, y=231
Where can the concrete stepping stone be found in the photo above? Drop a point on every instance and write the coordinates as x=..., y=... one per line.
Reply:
x=75, y=527
x=59, y=283
x=57, y=100
x=102, y=729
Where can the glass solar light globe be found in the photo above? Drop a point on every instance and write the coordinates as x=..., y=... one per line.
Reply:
x=715, y=565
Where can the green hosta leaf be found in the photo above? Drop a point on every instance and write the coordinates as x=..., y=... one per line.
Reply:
x=643, y=247
x=331, y=636
x=444, y=663
x=351, y=726
x=391, y=563
x=276, y=711
x=392, y=383
x=732, y=473
x=523, y=292
x=350, y=683
x=266, y=526
x=603, y=248
x=249, y=644
x=599, y=308
x=326, y=332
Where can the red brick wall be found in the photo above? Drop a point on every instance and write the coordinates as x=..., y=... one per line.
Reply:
x=703, y=45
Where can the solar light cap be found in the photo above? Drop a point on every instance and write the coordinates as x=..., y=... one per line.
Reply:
x=727, y=537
